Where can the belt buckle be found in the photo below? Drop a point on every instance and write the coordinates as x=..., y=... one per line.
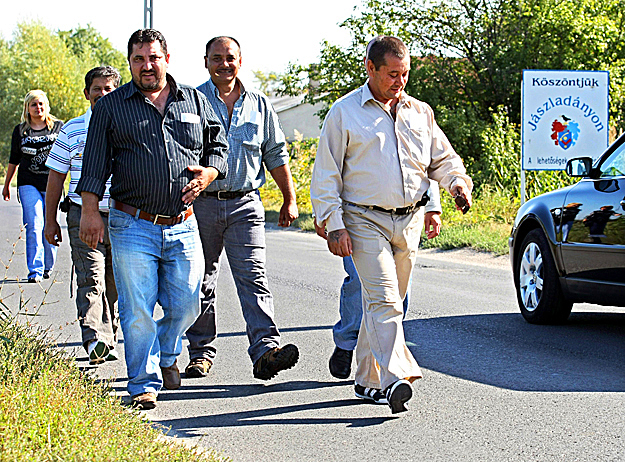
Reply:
x=156, y=218
x=219, y=198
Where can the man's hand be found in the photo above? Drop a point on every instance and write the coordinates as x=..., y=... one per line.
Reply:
x=52, y=232
x=91, y=224
x=320, y=230
x=463, y=191
x=340, y=243
x=432, y=224
x=288, y=213
x=91, y=228
x=202, y=177
x=6, y=193
x=284, y=180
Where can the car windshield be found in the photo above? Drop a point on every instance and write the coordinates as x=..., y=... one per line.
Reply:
x=614, y=165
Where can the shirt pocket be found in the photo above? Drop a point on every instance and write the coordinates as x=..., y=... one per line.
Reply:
x=419, y=138
x=248, y=135
x=188, y=131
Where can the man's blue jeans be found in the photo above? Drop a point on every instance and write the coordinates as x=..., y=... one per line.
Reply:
x=154, y=263
x=40, y=255
x=238, y=225
x=345, y=331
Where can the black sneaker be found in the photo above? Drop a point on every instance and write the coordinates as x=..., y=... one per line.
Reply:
x=397, y=395
x=46, y=274
x=370, y=394
x=274, y=361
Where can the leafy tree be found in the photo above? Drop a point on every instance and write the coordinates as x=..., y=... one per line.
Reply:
x=268, y=83
x=38, y=58
x=89, y=45
x=468, y=57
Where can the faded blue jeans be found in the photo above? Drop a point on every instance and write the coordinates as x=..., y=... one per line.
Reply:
x=345, y=331
x=154, y=263
x=238, y=225
x=40, y=255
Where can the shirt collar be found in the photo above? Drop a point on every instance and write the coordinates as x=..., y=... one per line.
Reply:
x=87, y=117
x=367, y=95
x=215, y=91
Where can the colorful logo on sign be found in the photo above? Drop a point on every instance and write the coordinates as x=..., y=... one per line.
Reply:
x=565, y=132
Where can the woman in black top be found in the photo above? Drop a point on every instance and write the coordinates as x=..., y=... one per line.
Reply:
x=31, y=142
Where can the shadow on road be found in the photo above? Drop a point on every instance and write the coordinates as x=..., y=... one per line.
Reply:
x=585, y=355
x=192, y=426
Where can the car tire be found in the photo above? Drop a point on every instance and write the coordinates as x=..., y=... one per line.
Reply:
x=538, y=291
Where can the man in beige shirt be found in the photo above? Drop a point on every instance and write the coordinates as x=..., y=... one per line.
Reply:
x=378, y=147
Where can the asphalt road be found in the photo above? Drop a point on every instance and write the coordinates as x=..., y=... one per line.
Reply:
x=494, y=389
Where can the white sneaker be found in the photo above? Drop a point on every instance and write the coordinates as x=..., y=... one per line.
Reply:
x=370, y=394
x=98, y=351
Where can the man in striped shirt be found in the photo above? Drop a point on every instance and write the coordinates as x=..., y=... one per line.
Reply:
x=96, y=295
x=162, y=144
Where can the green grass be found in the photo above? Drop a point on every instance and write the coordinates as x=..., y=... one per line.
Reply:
x=51, y=411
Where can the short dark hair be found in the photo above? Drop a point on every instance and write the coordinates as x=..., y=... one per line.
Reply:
x=222, y=39
x=107, y=72
x=146, y=36
x=380, y=46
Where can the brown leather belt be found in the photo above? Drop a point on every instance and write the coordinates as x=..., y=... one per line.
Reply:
x=154, y=219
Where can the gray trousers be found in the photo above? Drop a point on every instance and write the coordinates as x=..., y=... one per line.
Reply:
x=96, y=295
x=238, y=225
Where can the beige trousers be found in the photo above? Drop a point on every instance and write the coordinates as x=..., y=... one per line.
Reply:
x=384, y=251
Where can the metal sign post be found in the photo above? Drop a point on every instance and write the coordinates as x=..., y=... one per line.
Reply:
x=148, y=14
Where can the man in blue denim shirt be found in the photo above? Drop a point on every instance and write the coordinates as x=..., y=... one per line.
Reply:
x=231, y=215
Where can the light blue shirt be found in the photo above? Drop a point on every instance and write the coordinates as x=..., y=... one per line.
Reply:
x=255, y=138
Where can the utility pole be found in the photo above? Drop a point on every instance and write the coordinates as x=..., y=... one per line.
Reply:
x=148, y=11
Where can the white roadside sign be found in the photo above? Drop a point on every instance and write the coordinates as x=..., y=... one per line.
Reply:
x=565, y=115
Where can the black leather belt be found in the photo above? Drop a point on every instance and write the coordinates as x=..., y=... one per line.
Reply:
x=154, y=219
x=224, y=195
x=399, y=211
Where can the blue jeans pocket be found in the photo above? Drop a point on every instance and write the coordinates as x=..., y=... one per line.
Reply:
x=119, y=220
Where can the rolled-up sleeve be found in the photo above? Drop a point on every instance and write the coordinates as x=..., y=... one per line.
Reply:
x=327, y=178
x=215, y=149
x=446, y=166
x=96, y=166
x=273, y=147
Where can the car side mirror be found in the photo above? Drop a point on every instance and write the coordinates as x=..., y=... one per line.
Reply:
x=579, y=166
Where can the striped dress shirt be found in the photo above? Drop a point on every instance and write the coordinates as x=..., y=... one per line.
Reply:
x=254, y=138
x=147, y=153
x=67, y=153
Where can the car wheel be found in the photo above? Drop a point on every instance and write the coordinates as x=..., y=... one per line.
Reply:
x=538, y=289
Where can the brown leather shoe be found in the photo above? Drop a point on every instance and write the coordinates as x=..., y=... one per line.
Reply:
x=171, y=376
x=198, y=367
x=144, y=401
x=274, y=361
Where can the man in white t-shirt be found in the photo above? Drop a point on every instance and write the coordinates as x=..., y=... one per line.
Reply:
x=96, y=296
